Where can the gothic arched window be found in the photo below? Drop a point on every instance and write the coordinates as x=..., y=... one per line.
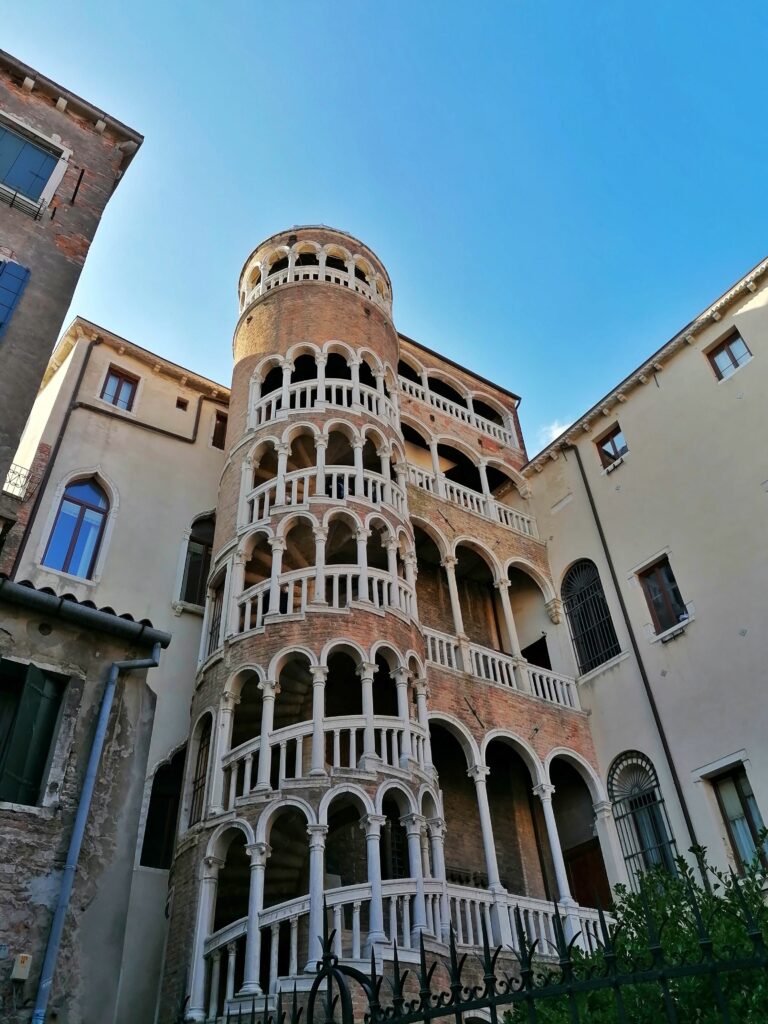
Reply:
x=79, y=527
x=640, y=814
x=592, y=632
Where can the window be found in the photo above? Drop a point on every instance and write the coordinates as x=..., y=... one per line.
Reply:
x=198, y=561
x=200, y=777
x=162, y=815
x=25, y=166
x=182, y=403
x=219, y=430
x=663, y=595
x=594, y=638
x=729, y=355
x=612, y=446
x=214, y=626
x=13, y=280
x=640, y=814
x=119, y=389
x=29, y=710
x=741, y=815
x=76, y=537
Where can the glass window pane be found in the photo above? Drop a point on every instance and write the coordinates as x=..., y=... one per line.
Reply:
x=88, y=491
x=125, y=394
x=723, y=363
x=85, y=545
x=24, y=167
x=739, y=350
x=61, y=538
x=620, y=443
x=110, y=388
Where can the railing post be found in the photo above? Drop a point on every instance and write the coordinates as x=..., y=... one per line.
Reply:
x=319, y=675
x=414, y=823
x=269, y=690
x=317, y=834
x=259, y=853
x=371, y=825
x=209, y=874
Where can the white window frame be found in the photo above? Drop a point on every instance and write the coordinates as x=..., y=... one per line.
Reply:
x=49, y=142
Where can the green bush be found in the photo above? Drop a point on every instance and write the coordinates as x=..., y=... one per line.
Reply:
x=687, y=924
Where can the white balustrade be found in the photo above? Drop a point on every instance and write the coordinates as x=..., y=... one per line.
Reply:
x=309, y=394
x=474, y=502
x=497, y=667
x=458, y=412
x=324, y=274
x=469, y=908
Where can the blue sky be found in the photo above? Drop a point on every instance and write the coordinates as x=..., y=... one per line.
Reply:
x=555, y=188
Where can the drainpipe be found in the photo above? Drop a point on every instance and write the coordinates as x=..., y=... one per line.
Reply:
x=641, y=666
x=78, y=831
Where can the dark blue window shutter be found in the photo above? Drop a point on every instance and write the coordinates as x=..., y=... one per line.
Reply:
x=13, y=281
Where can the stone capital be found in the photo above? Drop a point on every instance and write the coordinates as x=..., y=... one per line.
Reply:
x=228, y=701
x=210, y=867
x=319, y=674
x=372, y=824
x=413, y=823
x=269, y=689
x=317, y=834
x=321, y=359
x=367, y=669
x=449, y=562
x=555, y=610
x=362, y=534
x=478, y=773
x=259, y=854
x=277, y=543
x=544, y=790
x=421, y=686
x=502, y=584
x=603, y=809
x=321, y=441
x=320, y=532
x=401, y=676
x=437, y=828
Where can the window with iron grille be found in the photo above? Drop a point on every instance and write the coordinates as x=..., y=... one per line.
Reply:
x=662, y=593
x=594, y=638
x=214, y=627
x=741, y=815
x=200, y=778
x=729, y=355
x=641, y=817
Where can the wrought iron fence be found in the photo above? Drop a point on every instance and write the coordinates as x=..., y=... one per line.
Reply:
x=710, y=982
x=17, y=481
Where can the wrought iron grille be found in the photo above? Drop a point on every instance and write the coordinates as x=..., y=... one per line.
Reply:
x=709, y=984
x=17, y=481
x=589, y=620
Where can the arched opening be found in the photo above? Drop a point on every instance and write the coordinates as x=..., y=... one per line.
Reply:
x=531, y=619
x=440, y=387
x=362, y=271
x=575, y=817
x=339, y=451
x=197, y=562
x=417, y=450
x=394, y=839
x=407, y=371
x=335, y=260
x=379, y=535
x=163, y=813
x=341, y=543
x=246, y=719
x=258, y=564
x=589, y=620
x=299, y=550
x=504, y=490
x=478, y=599
x=337, y=367
x=294, y=701
x=487, y=411
x=366, y=375
x=459, y=468
x=264, y=463
x=233, y=883
x=273, y=381
x=464, y=857
x=286, y=877
x=278, y=262
x=307, y=259
x=346, y=860
x=384, y=691
x=432, y=594
x=304, y=368
x=302, y=454
x=519, y=831
x=199, y=758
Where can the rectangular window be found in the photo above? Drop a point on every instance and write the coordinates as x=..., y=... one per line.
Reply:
x=219, y=430
x=663, y=595
x=182, y=403
x=29, y=710
x=13, y=280
x=612, y=446
x=214, y=627
x=119, y=389
x=741, y=816
x=729, y=355
x=25, y=166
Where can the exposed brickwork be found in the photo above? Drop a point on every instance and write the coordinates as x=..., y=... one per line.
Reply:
x=16, y=533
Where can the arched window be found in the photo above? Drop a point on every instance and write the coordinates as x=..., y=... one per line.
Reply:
x=592, y=632
x=200, y=776
x=198, y=560
x=77, y=533
x=641, y=817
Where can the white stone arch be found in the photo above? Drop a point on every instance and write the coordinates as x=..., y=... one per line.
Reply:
x=340, y=348
x=428, y=792
x=214, y=845
x=234, y=684
x=441, y=542
x=346, y=788
x=383, y=441
x=395, y=661
x=343, y=513
x=417, y=427
x=277, y=252
x=371, y=357
x=524, y=749
x=246, y=542
x=490, y=559
x=265, y=364
x=260, y=443
x=409, y=655
x=306, y=245
x=365, y=266
x=208, y=712
x=376, y=517
x=341, y=426
x=514, y=475
x=393, y=786
x=273, y=809
x=412, y=361
x=449, y=440
x=340, y=251
x=448, y=378
x=109, y=487
x=294, y=430
x=279, y=660
x=344, y=646
x=460, y=733
x=544, y=585
x=302, y=348
x=580, y=764
x=286, y=525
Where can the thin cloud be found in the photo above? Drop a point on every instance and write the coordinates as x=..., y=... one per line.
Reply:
x=550, y=431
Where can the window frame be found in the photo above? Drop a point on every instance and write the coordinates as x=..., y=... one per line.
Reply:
x=733, y=774
x=590, y=598
x=219, y=416
x=207, y=557
x=104, y=513
x=724, y=345
x=643, y=575
x=198, y=783
x=125, y=377
x=36, y=138
x=606, y=458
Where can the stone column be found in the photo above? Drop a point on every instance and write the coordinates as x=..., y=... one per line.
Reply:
x=246, y=486
x=392, y=569
x=371, y=825
x=489, y=500
x=213, y=997
x=357, y=451
x=439, y=480
x=422, y=694
x=362, y=562
x=259, y=853
x=235, y=592
x=321, y=444
x=284, y=395
x=411, y=573
x=229, y=989
x=449, y=564
x=437, y=830
x=413, y=825
x=544, y=792
x=221, y=745
x=354, y=365
x=278, y=547
x=209, y=875
x=366, y=672
x=317, y=834
x=400, y=676
x=269, y=690
x=319, y=675
x=320, y=534
x=379, y=375
x=282, y=450
x=605, y=826
x=478, y=775
x=513, y=642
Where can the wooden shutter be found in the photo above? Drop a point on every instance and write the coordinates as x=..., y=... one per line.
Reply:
x=27, y=747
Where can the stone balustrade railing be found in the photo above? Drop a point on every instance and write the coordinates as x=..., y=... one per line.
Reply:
x=316, y=396
x=472, y=501
x=458, y=412
x=502, y=669
x=321, y=273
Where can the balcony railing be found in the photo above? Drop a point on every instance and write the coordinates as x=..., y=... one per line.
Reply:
x=311, y=394
x=458, y=412
x=341, y=586
x=502, y=669
x=324, y=274
x=343, y=749
x=17, y=481
x=472, y=501
x=340, y=483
